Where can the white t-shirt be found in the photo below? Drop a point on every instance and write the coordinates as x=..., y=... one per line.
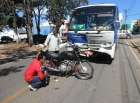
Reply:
x=52, y=41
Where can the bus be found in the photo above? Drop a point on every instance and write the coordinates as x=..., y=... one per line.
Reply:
x=94, y=29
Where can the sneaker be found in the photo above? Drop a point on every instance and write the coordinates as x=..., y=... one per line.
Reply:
x=33, y=89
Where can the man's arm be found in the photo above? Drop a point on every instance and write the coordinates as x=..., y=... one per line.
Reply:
x=59, y=39
x=40, y=74
x=47, y=40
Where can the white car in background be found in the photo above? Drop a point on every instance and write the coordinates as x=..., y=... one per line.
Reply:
x=124, y=34
x=8, y=34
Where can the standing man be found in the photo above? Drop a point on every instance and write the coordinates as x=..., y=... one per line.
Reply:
x=53, y=40
x=34, y=75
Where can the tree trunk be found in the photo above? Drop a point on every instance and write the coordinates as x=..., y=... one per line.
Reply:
x=28, y=20
x=38, y=30
x=15, y=25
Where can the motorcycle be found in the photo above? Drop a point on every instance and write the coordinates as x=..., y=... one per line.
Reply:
x=69, y=61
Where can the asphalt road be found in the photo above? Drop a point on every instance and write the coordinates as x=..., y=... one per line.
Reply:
x=113, y=82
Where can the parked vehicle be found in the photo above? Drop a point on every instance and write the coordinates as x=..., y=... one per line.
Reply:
x=135, y=33
x=6, y=39
x=9, y=34
x=67, y=61
x=39, y=39
x=22, y=35
x=124, y=34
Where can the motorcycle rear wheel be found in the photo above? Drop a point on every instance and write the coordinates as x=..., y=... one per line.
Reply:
x=86, y=72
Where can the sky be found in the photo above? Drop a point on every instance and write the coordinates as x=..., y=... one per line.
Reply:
x=131, y=6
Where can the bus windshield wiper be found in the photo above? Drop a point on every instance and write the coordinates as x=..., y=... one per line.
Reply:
x=107, y=23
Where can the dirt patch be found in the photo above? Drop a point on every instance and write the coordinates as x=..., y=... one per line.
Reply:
x=14, y=49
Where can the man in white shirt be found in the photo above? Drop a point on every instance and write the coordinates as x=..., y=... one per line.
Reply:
x=53, y=40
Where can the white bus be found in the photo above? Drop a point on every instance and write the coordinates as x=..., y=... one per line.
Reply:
x=94, y=28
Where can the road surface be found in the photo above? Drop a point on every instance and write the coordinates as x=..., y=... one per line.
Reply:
x=113, y=82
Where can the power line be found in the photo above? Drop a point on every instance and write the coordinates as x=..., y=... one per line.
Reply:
x=131, y=4
x=130, y=9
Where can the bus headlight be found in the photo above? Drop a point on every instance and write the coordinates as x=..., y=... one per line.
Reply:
x=106, y=45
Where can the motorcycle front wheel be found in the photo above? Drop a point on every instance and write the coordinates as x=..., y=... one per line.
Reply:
x=84, y=70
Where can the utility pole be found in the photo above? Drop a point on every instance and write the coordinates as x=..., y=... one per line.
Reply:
x=138, y=22
x=125, y=11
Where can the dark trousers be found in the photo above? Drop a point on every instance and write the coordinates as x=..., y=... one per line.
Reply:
x=36, y=82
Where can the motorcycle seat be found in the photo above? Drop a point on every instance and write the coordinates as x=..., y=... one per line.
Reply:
x=53, y=55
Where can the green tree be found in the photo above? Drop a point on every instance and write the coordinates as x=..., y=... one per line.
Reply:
x=6, y=12
x=28, y=7
x=58, y=10
x=8, y=15
x=124, y=27
x=38, y=6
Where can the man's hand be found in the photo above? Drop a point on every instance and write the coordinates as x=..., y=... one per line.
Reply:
x=45, y=73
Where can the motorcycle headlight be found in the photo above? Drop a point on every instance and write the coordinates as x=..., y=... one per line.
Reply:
x=106, y=45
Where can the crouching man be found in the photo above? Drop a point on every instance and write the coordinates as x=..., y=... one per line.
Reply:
x=34, y=75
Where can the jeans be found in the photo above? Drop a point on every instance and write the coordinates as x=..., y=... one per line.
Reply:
x=36, y=82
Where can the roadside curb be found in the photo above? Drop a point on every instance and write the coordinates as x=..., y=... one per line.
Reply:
x=138, y=47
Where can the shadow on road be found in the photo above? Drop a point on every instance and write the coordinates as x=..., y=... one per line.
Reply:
x=16, y=56
x=7, y=71
x=100, y=59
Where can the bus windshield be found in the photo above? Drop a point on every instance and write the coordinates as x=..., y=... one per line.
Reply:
x=93, y=18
